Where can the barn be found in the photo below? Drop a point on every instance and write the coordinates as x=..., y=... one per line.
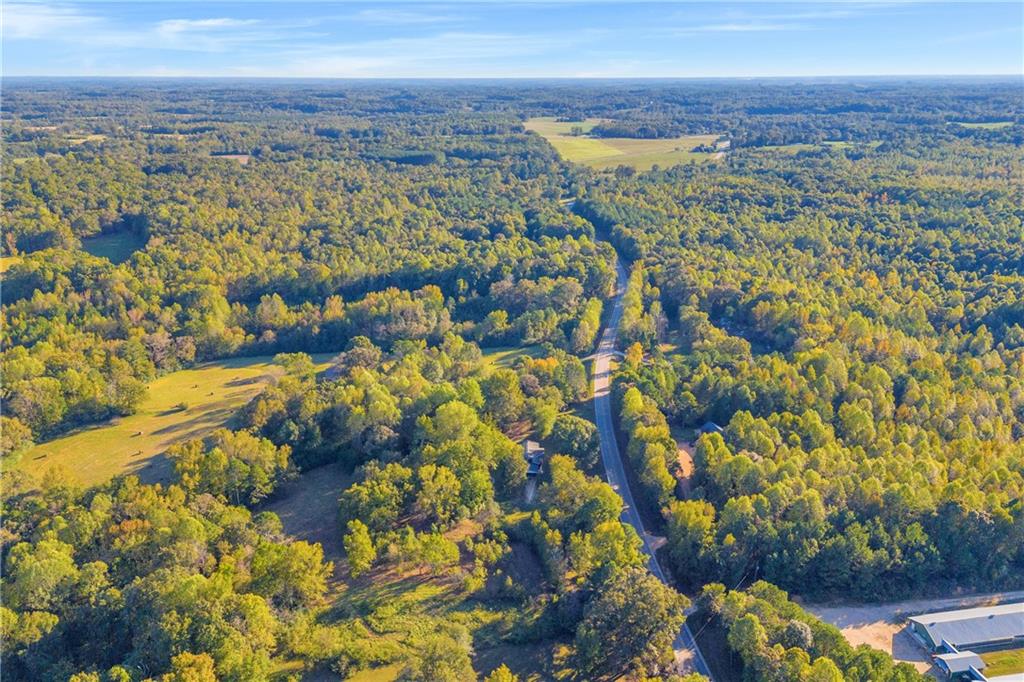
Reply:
x=978, y=629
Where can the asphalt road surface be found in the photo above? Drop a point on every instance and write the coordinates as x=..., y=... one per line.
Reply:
x=687, y=653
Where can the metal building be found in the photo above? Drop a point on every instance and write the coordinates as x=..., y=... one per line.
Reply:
x=986, y=627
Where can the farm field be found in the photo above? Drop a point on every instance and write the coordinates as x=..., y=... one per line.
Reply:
x=992, y=125
x=135, y=444
x=117, y=247
x=610, y=152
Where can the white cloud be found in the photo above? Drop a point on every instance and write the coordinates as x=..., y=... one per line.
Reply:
x=452, y=53
x=71, y=26
x=174, y=26
x=742, y=27
x=29, y=21
x=393, y=16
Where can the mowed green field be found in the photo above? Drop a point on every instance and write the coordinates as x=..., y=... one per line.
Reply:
x=117, y=247
x=610, y=152
x=1009, y=662
x=506, y=356
x=136, y=444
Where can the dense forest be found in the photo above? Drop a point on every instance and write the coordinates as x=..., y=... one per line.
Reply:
x=843, y=292
x=857, y=330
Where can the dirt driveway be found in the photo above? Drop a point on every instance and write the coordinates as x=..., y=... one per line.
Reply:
x=882, y=625
x=684, y=455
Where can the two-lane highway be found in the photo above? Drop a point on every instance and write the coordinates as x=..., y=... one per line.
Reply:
x=687, y=653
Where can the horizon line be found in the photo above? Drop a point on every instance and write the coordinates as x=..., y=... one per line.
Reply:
x=169, y=77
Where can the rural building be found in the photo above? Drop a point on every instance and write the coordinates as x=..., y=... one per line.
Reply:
x=961, y=665
x=533, y=453
x=986, y=627
x=710, y=427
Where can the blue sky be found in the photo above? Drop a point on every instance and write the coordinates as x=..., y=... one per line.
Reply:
x=510, y=38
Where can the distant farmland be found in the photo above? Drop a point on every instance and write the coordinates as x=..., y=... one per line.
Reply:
x=209, y=394
x=609, y=152
x=989, y=125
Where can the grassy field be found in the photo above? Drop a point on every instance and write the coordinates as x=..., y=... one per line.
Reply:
x=401, y=605
x=610, y=152
x=117, y=247
x=1007, y=662
x=547, y=126
x=993, y=125
x=308, y=508
x=86, y=137
x=505, y=356
x=7, y=261
x=136, y=444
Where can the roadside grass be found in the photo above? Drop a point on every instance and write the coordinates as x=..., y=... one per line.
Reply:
x=992, y=125
x=711, y=638
x=610, y=152
x=117, y=247
x=135, y=444
x=1009, y=662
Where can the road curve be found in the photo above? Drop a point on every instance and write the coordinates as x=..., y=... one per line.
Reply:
x=687, y=652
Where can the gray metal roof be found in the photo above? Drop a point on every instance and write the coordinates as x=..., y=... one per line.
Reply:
x=968, y=627
x=531, y=446
x=961, y=662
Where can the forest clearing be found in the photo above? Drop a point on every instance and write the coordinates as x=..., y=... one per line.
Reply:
x=608, y=152
x=179, y=406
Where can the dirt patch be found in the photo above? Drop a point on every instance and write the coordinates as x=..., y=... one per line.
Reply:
x=684, y=456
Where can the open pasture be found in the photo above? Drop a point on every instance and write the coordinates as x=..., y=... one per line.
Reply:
x=610, y=152
x=180, y=406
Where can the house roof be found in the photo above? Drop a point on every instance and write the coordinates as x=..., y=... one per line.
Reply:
x=960, y=662
x=973, y=626
x=531, y=446
x=711, y=427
